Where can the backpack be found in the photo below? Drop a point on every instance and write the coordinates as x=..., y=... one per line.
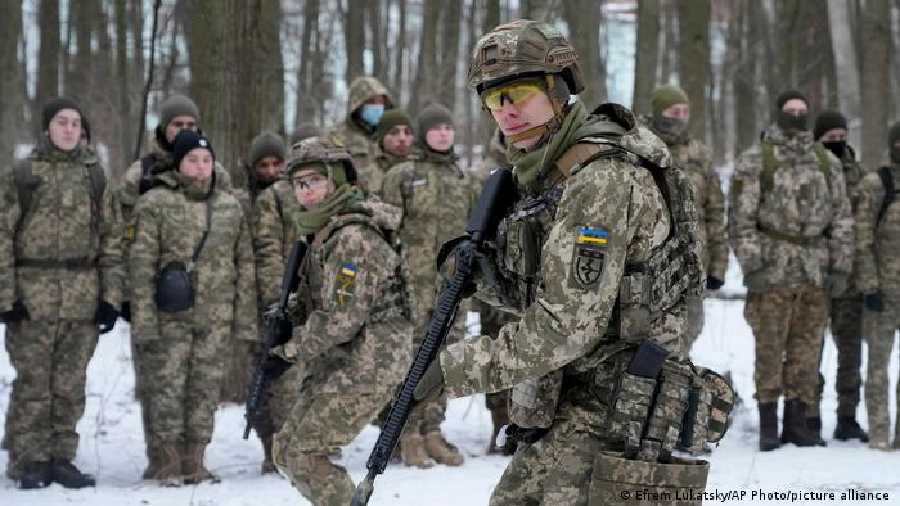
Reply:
x=26, y=183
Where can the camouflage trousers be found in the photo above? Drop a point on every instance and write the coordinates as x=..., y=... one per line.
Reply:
x=695, y=319
x=492, y=319
x=879, y=330
x=184, y=374
x=846, y=330
x=48, y=393
x=318, y=425
x=788, y=326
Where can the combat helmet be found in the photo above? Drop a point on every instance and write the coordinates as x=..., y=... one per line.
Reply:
x=521, y=48
x=320, y=150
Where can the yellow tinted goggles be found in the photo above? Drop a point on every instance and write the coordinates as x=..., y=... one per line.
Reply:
x=513, y=93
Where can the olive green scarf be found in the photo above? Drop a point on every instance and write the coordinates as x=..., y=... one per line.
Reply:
x=528, y=166
x=310, y=221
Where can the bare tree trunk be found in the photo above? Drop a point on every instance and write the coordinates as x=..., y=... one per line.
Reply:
x=427, y=74
x=10, y=91
x=875, y=84
x=693, y=69
x=471, y=25
x=400, y=50
x=83, y=14
x=450, y=53
x=306, y=106
x=744, y=78
x=354, y=38
x=646, y=54
x=843, y=46
x=379, y=62
x=48, y=57
x=583, y=18
x=491, y=20
x=538, y=10
x=124, y=85
x=668, y=42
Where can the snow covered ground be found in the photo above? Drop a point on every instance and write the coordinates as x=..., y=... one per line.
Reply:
x=112, y=445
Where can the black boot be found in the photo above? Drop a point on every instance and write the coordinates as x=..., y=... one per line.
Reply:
x=35, y=475
x=794, y=428
x=66, y=474
x=768, y=426
x=847, y=428
x=814, y=424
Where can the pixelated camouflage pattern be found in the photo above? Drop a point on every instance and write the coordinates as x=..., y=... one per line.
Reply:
x=616, y=480
x=381, y=164
x=273, y=238
x=354, y=346
x=351, y=135
x=780, y=233
x=879, y=330
x=788, y=326
x=846, y=330
x=853, y=176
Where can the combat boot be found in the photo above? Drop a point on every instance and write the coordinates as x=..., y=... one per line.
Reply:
x=768, y=426
x=168, y=474
x=794, y=428
x=154, y=457
x=34, y=475
x=814, y=425
x=442, y=451
x=65, y=473
x=847, y=428
x=499, y=418
x=193, y=468
x=268, y=465
x=412, y=451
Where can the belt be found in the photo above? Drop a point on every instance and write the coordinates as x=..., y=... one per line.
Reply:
x=74, y=264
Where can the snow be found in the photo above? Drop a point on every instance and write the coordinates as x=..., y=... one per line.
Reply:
x=112, y=443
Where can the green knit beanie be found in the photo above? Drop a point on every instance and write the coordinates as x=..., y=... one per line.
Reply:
x=431, y=115
x=177, y=105
x=390, y=119
x=666, y=96
x=267, y=144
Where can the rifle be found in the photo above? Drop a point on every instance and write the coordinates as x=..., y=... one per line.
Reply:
x=274, y=322
x=495, y=200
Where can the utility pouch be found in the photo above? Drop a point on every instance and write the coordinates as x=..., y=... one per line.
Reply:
x=648, y=360
x=174, y=289
x=669, y=404
x=533, y=402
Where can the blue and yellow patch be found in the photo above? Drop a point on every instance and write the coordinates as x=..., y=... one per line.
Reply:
x=594, y=236
x=345, y=282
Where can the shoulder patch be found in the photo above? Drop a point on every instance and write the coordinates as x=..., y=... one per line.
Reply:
x=588, y=256
x=345, y=282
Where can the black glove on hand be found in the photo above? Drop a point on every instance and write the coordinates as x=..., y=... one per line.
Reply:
x=125, y=313
x=432, y=382
x=873, y=302
x=274, y=367
x=713, y=283
x=284, y=330
x=105, y=316
x=18, y=313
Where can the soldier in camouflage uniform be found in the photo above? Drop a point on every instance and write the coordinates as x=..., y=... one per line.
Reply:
x=588, y=229
x=352, y=334
x=186, y=223
x=435, y=196
x=878, y=278
x=367, y=99
x=60, y=276
x=792, y=231
x=846, y=311
x=669, y=122
x=176, y=113
x=394, y=137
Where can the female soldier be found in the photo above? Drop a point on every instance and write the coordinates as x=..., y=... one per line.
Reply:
x=354, y=344
x=194, y=288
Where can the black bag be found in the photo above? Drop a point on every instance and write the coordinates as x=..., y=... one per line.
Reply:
x=174, y=288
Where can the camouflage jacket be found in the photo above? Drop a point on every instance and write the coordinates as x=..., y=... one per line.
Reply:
x=695, y=158
x=64, y=223
x=273, y=237
x=436, y=197
x=877, y=265
x=359, y=143
x=381, y=164
x=352, y=329
x=609, y=207
x=853, y=176
x=170, y=220
x=791, y=222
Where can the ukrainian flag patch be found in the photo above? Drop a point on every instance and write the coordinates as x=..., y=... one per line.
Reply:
x=593, y=236
x=345, y=282
x=348, y=269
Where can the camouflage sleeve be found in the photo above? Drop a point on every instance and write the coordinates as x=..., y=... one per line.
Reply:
x=871, y=194
x=268, y=244
x=602, y=209
x=350, y=284
x=744, y=195
x=143, y=262
x=716, y=233
x=245, y=309
x=112, y=240
x=127, y=194
x=9, y=216
x=392, y=189
x=841, y=240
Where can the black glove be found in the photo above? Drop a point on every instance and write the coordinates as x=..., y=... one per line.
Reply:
x=125, y=313
x=873, y=302
x=105, y=316
x=713, y=283
x=274, y=367
x=284, y=329
x=431, y=383
x=18, y=313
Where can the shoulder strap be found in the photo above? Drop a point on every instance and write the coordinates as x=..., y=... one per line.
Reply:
x=278, y=205
x=824, y=163
x=22, y=176
x=890, y=192
x=146, y=181
x=769, y=166
x=577, y=155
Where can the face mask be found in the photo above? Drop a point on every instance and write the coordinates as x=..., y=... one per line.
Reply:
x=371, y=113
x=836, y=147
x=671, y=126
x=895, y=154
x=790, y=123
